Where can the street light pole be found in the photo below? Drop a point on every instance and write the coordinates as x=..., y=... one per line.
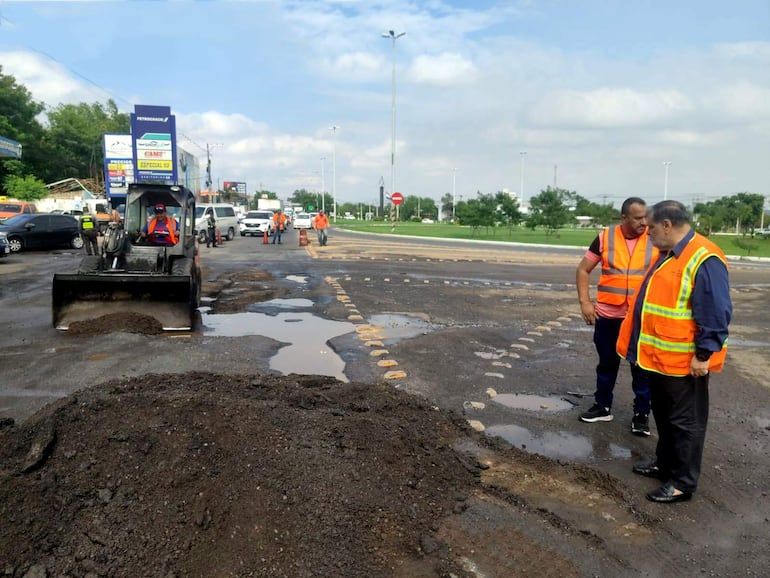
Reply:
x=393, y=36
x=521, y=187
x=454, y=192
x=666, y=164
x=334, y=129
x=323, y=184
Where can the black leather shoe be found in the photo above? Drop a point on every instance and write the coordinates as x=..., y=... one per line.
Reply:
x=649, y=470
x=666, y=495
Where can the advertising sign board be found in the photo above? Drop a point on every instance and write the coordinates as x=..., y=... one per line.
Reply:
x=154, y=144
x=9, y=148
x=118, y=165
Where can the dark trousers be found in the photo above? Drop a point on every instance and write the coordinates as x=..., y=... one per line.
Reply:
x=277, y=234
x=90, y=242
x=681, y=409
x=211, y=237
x=605, y=337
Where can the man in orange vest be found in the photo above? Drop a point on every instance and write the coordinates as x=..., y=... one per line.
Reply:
x=320, y=224
x=279, y=221
x=161, y=229
x=625, y=253
x=677, y=329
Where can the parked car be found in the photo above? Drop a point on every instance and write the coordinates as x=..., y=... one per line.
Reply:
x=41, y=230
x=256, y=223
x=10, y=209
x=303, y=221
x=5, y=248
x=227, y=221
x=763, y=233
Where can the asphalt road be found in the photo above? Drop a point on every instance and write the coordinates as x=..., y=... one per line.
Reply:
x=452, y=321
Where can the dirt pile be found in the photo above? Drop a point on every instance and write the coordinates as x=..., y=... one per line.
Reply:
x=212, y=475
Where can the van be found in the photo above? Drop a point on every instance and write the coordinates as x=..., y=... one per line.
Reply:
x=12, y=208
x=227, y=221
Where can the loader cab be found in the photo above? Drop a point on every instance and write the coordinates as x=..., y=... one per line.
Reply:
x=180, y=206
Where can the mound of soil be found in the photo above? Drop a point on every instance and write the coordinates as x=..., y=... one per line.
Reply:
x=212, y=475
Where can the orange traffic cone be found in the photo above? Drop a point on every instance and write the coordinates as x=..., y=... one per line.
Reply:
x=264, y=237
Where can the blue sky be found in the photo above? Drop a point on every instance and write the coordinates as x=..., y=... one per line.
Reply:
x=597, y=93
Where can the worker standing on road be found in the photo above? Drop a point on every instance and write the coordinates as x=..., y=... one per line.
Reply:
x=161, y=229
x=320, y=224
x=677, y=329
x=211, y=230
x=279, y=222
x=89, y=232
x=625, y=253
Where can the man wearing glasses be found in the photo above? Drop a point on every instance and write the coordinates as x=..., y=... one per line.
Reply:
x=161, y=229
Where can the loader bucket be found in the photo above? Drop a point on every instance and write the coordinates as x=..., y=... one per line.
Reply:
x=85, y=297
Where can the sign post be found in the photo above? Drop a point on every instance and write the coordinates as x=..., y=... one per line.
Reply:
x=396, y=198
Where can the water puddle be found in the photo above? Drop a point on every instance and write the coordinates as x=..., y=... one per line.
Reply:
x=307, y=352
x=302, y=279
x=396, y=326
x=281, y=304
x=532, y=402
x=561, y=445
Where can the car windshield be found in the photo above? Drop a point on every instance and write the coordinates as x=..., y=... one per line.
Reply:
x=199, y=212
x=10, y=207
x=262, y=215
x=17, y=220
x=302, y=216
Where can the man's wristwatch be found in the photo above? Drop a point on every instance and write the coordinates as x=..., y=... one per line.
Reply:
x=702, y=354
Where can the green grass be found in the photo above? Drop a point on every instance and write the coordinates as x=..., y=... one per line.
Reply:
x=567, y=237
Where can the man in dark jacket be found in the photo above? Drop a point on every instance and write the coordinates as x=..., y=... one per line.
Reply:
x=89, y=232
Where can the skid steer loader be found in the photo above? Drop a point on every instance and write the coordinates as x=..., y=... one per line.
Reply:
x=132, y=275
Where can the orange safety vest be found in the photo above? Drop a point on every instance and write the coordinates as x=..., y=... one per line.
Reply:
x=321, y=222
x=280, y=221
x=171, y=229
x=667, y=334
x=622, y=273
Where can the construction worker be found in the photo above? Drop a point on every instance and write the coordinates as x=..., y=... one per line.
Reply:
x=279, y=221
x=320, y=224
x=624, y=252
x=161, y=229
x=89, y=232
x=211, y=230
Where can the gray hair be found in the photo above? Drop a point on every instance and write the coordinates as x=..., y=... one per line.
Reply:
x=673, y=211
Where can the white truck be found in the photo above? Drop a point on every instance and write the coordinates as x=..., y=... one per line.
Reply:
x=269, y=205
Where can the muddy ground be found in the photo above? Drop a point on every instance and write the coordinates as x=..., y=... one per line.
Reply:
x=169, y=472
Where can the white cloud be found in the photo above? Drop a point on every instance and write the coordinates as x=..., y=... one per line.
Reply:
x=442, y=70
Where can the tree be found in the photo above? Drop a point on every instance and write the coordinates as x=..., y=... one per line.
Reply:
x=18, y=121
x=447, y=203
x=27, y=188
x=478, y=212
x=549, y=210
x=75, y=135
x=507, y=210
x=742, y=210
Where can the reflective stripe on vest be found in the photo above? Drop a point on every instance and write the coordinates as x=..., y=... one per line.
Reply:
x=667, y=334
x=622, y=273
x=170, y=229
x=87, y=222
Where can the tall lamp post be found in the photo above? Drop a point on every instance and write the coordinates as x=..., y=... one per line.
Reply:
x=323, y=184
x=334, y=130
x=523, y=155
x=454, y=192
x=393, y=36
x=666, y=164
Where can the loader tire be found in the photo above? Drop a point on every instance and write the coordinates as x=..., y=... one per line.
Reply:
x=185, y=266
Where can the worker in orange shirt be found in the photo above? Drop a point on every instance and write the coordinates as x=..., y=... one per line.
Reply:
x=279, y=222
x=320, y=224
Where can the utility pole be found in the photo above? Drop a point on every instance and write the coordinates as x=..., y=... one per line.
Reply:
x=555, y=171
x=334, y=129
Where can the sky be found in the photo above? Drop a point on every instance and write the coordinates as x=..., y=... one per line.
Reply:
x=593, y=96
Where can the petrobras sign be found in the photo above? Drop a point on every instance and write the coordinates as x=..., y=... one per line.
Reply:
x=153, y=129
x=118, y=164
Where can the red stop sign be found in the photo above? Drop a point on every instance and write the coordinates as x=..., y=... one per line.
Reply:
x=397, y=198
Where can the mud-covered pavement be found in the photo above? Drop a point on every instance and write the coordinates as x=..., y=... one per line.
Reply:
x=192, y=456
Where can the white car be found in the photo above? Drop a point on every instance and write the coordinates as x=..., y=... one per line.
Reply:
x=303, y=221
x=256, y=223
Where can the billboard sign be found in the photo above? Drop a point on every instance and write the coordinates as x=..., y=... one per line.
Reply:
x=238, y=186
x=118, y=164
x=154, y=144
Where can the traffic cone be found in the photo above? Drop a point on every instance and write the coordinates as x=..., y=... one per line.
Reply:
x=264, y=237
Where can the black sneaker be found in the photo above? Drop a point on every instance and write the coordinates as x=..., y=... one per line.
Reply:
x=596, y=413
x=640, y=425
